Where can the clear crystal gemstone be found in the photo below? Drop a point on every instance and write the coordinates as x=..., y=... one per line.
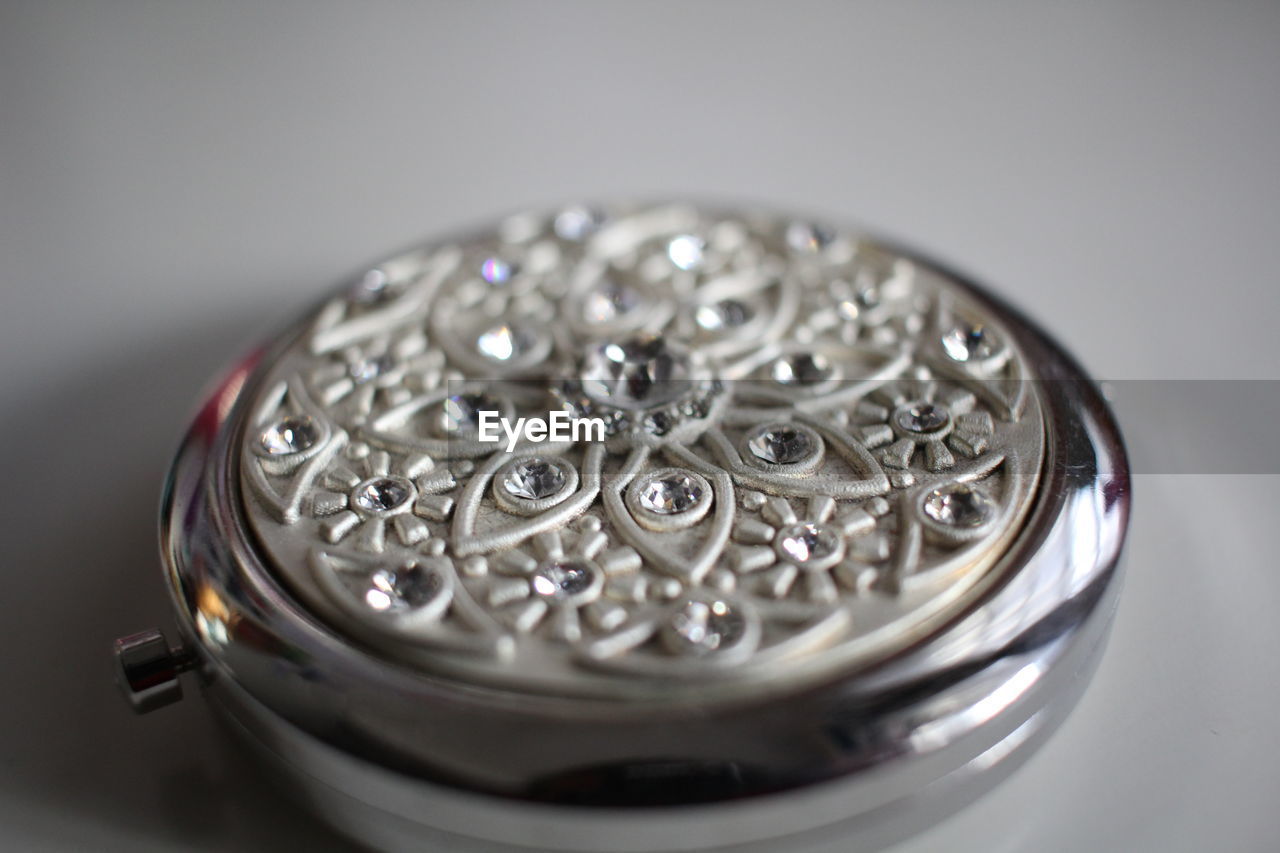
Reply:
x=959, y=505
x=809, y=237
x=575, y=224
x=686, y=251
x=636, y=371
x=806, y=543
x=700, y=627
x=497, y=271
x=369, y=369
x=969, y=343
x=395, y=590
x=671, y=494
x=922, y=417
x=534, y=479
x=723, y=315
x=781, y=445
x=609, y=301
x=868, y=296
x=807, y=368
x=383, y=494
x=659, y=423
x=562, y=580
x=373, y=286
x=506, y=341
x=292, y=434
x=460, y=413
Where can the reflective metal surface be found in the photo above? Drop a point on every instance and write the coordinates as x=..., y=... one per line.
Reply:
x=147, y=670
x=393, y=752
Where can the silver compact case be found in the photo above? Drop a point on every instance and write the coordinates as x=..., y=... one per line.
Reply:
x=643, y=527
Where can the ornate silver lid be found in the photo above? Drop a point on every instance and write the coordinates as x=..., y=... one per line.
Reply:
x=748, y=498
x=812, y=454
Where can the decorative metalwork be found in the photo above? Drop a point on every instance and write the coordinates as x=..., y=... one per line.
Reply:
x=814, y=451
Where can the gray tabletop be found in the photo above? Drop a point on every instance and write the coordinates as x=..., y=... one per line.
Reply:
x=176, y=178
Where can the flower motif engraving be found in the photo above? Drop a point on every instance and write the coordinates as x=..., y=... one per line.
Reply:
x=559, y=579
x=801, y=427
x=812, y=555
x=364, y=500
x=917, y=418
x=384, y=372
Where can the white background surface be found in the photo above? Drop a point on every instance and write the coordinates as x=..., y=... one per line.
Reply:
x=177, y=177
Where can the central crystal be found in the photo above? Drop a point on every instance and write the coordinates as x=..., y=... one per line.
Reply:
x=923, y=417
x=505, y=341
x=807, y=543
x=496, y=270
x=383, y=494
x=701, y=627
x=460, y=413
x=781, y=445
x=562, y=580
x=610, y=301
x=369, y=369
x=671, y=494
x=802, y=369
x=969, y=342
x=534, y=479
x=723, y=315
x=635, y=372
x=959, y=505
x=394, y=590
x=293, y=434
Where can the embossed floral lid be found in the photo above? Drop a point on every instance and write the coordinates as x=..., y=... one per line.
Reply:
x=809, y=453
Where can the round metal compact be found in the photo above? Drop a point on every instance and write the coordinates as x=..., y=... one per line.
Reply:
x=643, y=528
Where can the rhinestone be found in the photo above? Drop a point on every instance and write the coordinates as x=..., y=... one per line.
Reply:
x=671, y=494
x=609, y=301
x=781, y=445
x=394, y=590
x=808, y=543
x=658, y=423
x=922, y=417
x=723, y=315
x=802, y=369
x=293, y=434
x=808, y=237
x=702, y=627
x=698, y=407
x=373, y=286
x=562, y=580
x=534, y=479
x=577, y=223
x=505, y=342
x=368, y=369
x=496, y=270
x=616, y=422
x=868, y=296
x=383, y=494
x=686, y=251
x=959, y=505
x=640, y=370
x=969, y=343
x=461, y=412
